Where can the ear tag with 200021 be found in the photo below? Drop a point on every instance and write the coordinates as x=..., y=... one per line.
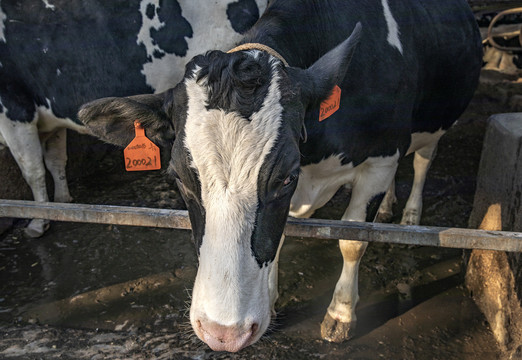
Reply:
x=141, y=154
x=330, y=105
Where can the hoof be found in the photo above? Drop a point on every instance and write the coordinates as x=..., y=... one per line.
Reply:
x=384, y=217
x=36, y=228
x=410, y=217
x=336, y=331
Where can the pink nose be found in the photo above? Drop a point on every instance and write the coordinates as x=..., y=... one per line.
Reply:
x=225, y=338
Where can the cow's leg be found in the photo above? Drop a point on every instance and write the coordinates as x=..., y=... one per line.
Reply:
x=24, y=144
x=373, y=180
x=421, y=163
x=385, y=212
x=55, y=155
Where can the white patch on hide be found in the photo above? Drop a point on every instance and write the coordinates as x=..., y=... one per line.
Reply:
x=46, y=121
x=49, y=122
x=48, y=5
x=393, y=27
x=318, y=183
x=147, y=25
x=211, y=31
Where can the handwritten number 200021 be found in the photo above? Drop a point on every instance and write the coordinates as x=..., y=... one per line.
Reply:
x=140, y=162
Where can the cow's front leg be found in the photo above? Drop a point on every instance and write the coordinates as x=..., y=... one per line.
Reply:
x=373, y=180
x=55, y=156
x=24, y=143
x=340, y=320
x=385, y=212
x=421, y=164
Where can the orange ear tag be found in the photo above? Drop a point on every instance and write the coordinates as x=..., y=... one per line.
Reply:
x=330, y=105
x=141, y=154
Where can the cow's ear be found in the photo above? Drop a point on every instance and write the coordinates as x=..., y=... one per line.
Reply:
x=112, y=119
x=318, y=80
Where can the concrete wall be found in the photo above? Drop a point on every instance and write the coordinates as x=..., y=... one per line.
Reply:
x=495, y=278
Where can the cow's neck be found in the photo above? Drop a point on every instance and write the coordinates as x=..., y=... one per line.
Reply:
x=298, y=36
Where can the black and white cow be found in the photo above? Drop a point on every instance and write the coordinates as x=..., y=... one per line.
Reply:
x=58, y=54
x=247, y=146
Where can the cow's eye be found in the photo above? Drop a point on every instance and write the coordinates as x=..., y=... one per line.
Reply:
x=289, y=180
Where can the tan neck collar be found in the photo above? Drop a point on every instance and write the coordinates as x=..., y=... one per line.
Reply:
x=258, y=46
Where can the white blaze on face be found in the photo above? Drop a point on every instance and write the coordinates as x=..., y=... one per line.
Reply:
x=227, y=151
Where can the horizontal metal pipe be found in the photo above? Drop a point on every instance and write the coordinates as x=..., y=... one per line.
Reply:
x=311, y=228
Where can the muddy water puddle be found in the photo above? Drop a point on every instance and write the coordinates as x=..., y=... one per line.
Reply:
x=114, y=292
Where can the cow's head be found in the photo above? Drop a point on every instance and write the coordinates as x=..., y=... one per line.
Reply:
x=232, y=128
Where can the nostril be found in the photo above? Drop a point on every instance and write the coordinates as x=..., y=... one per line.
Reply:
x=198, y=325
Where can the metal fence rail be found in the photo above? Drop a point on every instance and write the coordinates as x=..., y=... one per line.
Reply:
x=314, y=228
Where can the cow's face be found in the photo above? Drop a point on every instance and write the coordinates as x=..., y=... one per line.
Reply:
x=236, y=161
x=236, y=120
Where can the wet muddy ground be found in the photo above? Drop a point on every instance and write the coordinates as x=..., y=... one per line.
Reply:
x=114, y=292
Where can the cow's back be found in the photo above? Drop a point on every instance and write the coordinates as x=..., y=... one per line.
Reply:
x=450, y=59
x=415, y=70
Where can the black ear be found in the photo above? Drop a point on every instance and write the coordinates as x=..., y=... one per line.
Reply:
x=329, y=70
x=112, y=119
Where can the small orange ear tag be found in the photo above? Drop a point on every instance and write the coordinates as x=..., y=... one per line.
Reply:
x=330, y=105
x=141, y=154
